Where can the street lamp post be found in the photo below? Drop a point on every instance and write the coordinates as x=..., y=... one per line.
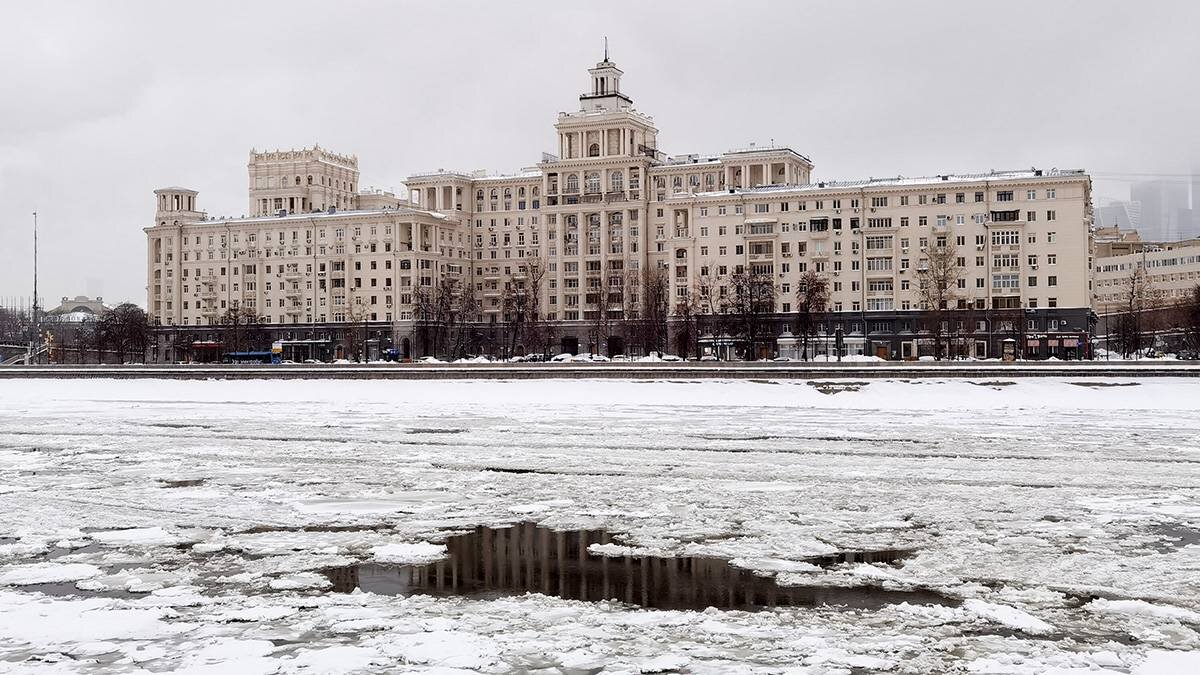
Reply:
x=33, y=339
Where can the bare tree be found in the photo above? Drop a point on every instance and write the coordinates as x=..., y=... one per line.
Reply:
x=126, y=330
x=812, y=301
x=655, y=291
x=1132, y=321
x=1189, y=321
x=465, y=314
x=425, y=318
x=519, y=306
x=750, y=304
x=242, y=330
x=687, y=311
x=536, y=329
x=938, y=277
x=356, y=328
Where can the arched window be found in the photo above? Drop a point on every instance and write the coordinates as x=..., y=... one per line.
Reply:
x=297, y=180
x=677, y=182
x=593, y=181
x=694, y=180
x=310, y=180
x=536, y=191
x=508, y=193
x=617, y=181
x=660, y=182
x=614, y=218
x=479, y=195
x=594, y=150
x=494, y=193
x=521, y=192
x=708, y=179
x=572, y=182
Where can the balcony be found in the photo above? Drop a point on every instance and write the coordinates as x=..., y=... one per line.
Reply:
x=208, y=294
x=761, y=256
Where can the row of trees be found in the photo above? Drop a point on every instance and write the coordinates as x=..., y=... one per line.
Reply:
x=1145, y=318
x=122, y=334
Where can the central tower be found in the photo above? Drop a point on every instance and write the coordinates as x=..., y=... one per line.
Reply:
x=606, y=88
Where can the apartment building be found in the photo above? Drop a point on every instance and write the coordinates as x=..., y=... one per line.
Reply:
x=1165, y=273
x=592, y=220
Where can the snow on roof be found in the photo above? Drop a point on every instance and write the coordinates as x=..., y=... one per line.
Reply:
x=901, y=181
x=531, y=173
x=404, y=210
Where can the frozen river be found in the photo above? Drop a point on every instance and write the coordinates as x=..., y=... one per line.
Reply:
x=1022, y=526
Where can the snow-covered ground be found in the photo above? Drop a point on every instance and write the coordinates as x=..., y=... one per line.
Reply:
x=151, y=526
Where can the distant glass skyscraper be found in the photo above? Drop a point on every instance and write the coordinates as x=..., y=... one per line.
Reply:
x=1165, y=210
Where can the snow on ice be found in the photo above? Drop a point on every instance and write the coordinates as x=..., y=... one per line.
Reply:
x=201, y=526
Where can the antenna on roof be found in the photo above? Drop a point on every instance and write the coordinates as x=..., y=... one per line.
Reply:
x=605, y=47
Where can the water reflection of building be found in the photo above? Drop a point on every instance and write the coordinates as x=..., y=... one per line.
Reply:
x=530, y=559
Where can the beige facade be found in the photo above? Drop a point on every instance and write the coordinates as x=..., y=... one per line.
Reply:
x=608, y=206
x=360, y=265
x=1168, y=273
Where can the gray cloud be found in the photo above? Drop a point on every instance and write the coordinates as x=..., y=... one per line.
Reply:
x=103, y=102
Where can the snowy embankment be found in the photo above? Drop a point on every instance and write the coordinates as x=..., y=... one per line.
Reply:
x=176, y=525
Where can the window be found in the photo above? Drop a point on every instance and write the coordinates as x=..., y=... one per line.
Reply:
x=1031, y=194
x=1050, y=193
x=1004, y=196
x=1001, y=282
x=1051, y=215
x=1051, y=280
x=1050, y=237
x=1009, y=237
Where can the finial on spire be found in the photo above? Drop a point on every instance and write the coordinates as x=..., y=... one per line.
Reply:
x=605, y=47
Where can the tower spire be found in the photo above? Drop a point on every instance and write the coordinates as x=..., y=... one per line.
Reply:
x=605, y=47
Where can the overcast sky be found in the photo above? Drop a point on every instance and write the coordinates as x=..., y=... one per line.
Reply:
x=101, y=103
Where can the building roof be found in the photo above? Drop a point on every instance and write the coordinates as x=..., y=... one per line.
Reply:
x=902, y=181
x=322, y=215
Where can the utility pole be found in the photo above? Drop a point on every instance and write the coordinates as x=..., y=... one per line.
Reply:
x=33, y=340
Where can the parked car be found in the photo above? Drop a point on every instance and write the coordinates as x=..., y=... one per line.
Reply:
x=562, y=358
x=672, y=358
x=709, y=357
